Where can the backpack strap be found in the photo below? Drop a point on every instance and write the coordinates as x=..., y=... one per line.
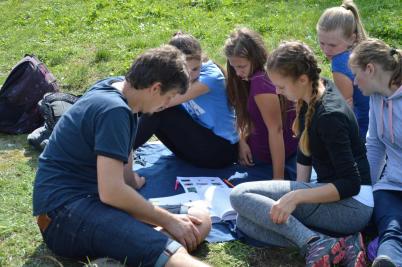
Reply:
x=59, y=96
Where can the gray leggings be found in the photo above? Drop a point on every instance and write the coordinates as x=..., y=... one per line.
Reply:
x=253, y=202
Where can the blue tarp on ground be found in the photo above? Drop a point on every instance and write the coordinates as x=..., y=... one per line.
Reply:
x=161, y=167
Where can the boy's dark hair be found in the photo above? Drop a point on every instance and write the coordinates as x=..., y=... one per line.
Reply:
x=165, y=64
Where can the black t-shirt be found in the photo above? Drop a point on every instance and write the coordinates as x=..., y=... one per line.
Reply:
x=338, y=154
x=99, y=123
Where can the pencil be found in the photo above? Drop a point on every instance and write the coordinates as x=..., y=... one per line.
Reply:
x=228, y=183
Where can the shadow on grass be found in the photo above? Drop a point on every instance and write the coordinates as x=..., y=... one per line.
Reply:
x=42, y=256
x=272, y=256
x=202, y=251
x=9, y=143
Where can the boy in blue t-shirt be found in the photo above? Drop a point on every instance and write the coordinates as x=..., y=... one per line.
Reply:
x=84, y=193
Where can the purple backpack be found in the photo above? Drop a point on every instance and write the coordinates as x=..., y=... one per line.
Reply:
x=28, y=81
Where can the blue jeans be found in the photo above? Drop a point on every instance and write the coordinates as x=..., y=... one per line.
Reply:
x=89, y=228
x=388, y=218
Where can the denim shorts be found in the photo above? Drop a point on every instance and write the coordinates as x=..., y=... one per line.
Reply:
x=89, y=228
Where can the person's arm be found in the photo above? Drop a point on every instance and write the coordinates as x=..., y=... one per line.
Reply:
x=130, y=177
x=245, y=156
x=284, y=206
x=303, y=172
x=115, y=192
x=270, y=109
x=347, y=180
x=345, y=86
x=196, y=89
x=375, y=148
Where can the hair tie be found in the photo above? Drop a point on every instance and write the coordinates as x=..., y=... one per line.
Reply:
x=393, y=51
x=344, y=6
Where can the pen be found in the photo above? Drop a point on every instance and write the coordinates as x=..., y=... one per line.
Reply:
x=176, y=185
x=228, y=183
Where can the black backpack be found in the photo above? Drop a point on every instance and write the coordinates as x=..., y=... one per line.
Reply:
x=28, y=81
x=52, y=107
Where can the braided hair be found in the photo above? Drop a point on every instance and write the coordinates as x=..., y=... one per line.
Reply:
x=293, y=59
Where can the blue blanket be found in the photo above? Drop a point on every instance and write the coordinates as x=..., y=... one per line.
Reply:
x=160, y=167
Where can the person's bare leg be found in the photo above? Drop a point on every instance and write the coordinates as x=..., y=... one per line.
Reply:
x=182, y=258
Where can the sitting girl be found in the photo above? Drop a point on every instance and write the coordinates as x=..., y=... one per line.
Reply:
x=264, y=119
x=288, y=213
x=198, y=126
x=378, y=71
x=339, y=29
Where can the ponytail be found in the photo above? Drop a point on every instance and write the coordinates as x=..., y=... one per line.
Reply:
x=346, y=18
x=359, y=30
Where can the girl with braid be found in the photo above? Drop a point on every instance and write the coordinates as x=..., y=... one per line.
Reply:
x=339, y=29
x=378, y=70
x=298, y=213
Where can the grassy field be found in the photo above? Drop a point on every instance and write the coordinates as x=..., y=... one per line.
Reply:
x=82, y=41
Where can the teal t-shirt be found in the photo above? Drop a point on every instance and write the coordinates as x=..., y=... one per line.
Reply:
x=212, y=109
x=99, y=123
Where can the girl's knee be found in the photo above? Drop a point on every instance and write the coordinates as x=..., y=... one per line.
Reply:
x=237, y=195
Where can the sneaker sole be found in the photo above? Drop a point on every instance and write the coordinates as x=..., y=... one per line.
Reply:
x=361, y=256
x=361, y=260
x=337, y=254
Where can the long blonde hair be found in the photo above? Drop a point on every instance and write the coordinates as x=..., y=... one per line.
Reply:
x=293, y=59
x=378, y=52
x=346, y=18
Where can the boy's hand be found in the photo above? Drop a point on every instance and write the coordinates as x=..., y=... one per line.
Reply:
x=183, y=229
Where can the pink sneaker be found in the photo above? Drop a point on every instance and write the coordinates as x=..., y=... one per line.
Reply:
x=325, y=252
x=355, y=255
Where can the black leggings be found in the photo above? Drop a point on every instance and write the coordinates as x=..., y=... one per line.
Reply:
x=186, y=138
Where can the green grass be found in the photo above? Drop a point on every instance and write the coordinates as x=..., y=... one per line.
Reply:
x=82, y=41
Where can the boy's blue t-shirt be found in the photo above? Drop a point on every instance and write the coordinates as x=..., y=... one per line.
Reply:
x=360, y=102
x=212, y=109
x=99, y=123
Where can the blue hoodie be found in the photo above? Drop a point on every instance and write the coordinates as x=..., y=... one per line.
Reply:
x=384, y=141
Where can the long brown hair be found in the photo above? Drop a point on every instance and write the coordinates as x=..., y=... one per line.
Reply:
x=346, y=18
x=293, y=59
x=378, y=52
x=248, y=44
